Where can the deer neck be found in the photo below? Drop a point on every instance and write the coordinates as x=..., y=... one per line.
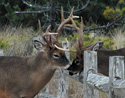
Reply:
x=42, y=71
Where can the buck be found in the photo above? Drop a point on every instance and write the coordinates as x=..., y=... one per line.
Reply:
x=102, y=55
x=24, y=77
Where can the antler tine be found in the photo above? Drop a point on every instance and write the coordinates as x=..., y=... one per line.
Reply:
x=74, y=25
x=66, y=50
x=48, y=29
x=81, y=34
x=67, y=42
x=64, y=21
x=48, y=34
x=40, y=28
x=71, y=14
x=62, y=14
x=79, y=30
x=50, y=40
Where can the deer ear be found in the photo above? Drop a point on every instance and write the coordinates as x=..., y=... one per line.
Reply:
x=98, y=45
x=38, y=45
x=95, y=46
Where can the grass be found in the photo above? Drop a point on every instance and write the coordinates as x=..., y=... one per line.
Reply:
x=19, y=40
x=20, y=43
x=117, y=36
x=119, y=39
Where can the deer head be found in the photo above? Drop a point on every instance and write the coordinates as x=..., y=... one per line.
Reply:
x=49, y=50
x=77, y=64
x=52, y=47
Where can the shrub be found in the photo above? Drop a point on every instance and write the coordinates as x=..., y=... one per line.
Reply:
x=3, y=44
x=115, y=12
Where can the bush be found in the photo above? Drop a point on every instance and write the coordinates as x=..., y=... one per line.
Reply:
x=3, y=44
x=115, y=12
x=16, y=41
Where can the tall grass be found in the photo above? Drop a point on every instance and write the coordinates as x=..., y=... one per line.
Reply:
x=19, y=40
x=119, y=39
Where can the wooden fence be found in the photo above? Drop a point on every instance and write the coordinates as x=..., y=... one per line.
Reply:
x=94, y=82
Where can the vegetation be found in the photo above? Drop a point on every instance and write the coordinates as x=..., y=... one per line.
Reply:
x=99, y=11
x=16, y=41
x=114, y=13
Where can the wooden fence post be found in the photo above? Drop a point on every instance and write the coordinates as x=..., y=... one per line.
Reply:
x=63, y=81
x=1, y=52
x=90, y=62
x=116, y=72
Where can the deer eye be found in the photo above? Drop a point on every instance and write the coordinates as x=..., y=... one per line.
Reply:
x=77, y=62
x=56, y=56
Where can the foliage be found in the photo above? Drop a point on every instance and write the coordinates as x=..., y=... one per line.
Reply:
x=119, y=38
x=114, y=13
x=108, y=43
x=8, y=15
x=3, y=44
x=96, y=9
x=16, y=41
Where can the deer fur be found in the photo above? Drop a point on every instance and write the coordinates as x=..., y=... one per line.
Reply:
x=24, y=77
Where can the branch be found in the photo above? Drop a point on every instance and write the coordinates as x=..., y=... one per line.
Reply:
x=36, y=7
x=97, y=28
x=82, y=7
x=107, y=26
x=31, y=12
x=75, y=11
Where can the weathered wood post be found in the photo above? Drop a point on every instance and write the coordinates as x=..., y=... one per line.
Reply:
x=1, y=52
x=116, y=72
x=90, y=64
x=63, y=81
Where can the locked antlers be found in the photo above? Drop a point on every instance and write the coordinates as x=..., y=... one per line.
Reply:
x=73, y=25
x=64, y=21
x=47, y=36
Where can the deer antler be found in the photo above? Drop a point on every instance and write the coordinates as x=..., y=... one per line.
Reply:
x=64, y=21
x=47, y=34
x=40, y=29
x=66, y=50
x=79, y=30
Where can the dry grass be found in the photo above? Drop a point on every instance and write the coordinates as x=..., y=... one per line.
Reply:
x=19, y=40
x=119, y=39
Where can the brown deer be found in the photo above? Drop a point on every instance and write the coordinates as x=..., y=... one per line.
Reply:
x=24, y=77
x=102, y=55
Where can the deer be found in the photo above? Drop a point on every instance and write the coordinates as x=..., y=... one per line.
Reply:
x=102, y=55
x=24, y=77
